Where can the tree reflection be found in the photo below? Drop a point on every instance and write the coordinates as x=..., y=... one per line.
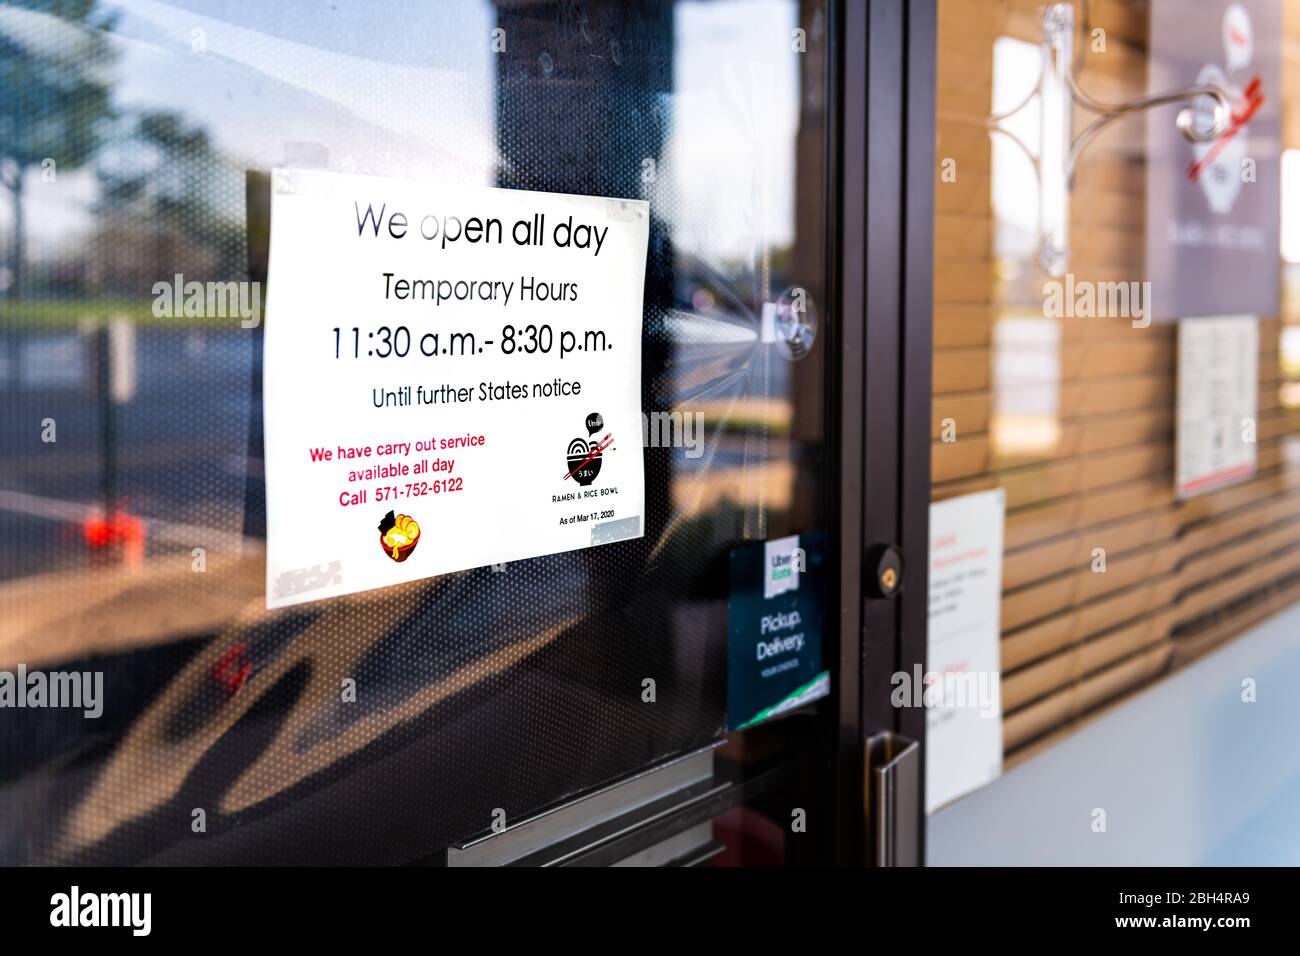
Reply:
x=160, y=209
x=52, y=59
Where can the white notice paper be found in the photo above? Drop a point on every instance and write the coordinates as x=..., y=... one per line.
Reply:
x=452, y=379
x=963, y=726
x=1218, y=396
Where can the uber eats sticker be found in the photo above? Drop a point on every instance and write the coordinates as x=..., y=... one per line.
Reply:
x=774, y=623
x=452, y=379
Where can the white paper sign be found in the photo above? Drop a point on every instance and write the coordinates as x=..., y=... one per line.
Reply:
x=1218, y=398
x=963, y=726
x=452, y=379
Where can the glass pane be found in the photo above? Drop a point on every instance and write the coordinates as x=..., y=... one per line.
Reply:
x=1110, y=577
x=131, y=499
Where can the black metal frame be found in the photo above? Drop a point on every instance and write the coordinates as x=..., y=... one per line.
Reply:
x=884, y=198
x=848, y=202
x=916, y=316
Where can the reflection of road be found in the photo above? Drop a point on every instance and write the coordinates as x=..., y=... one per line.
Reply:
x=176, y=441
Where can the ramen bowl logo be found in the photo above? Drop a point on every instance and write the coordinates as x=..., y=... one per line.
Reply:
x=584, y=466
x=583, y=456
x=398, y=536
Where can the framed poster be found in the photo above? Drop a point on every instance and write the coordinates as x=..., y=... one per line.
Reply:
x=1213, y=209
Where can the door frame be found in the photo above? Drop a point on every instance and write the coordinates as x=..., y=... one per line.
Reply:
x=882, y=276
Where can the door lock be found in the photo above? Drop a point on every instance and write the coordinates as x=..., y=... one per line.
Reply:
x=884, y=571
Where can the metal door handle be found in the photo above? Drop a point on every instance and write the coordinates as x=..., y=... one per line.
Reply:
x=894, y=799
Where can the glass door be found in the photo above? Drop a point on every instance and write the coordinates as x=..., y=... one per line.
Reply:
x=382, y=726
